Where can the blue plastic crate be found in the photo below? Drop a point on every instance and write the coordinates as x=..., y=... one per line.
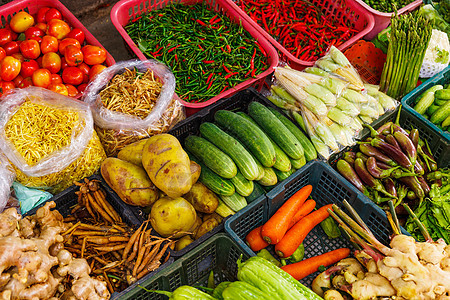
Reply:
x=218, y=254
x=410, y=99
x=328, y=187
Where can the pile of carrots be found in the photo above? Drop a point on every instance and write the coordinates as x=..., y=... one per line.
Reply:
x=287, y=229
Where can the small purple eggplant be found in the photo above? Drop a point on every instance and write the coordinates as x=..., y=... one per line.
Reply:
x=392, y=152
x=375, y=171
x=406, y=145
x=369, y=150
x=391, y=140
x=389, y=185
x=346, y=170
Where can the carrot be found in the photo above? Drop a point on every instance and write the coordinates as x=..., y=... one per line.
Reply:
x=276, y=227
x=255, y=241
x=304, y=210
x=308, y=266
x=295, y=236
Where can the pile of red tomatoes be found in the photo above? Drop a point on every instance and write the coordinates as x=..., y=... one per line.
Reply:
x=44, y=51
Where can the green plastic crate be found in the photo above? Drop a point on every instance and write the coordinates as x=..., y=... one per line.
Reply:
x=410, y=99
x=219, y=254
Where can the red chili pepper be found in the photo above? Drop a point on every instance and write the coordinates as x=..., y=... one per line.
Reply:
x=201, y=48
x=229, y=48
x=200, y=22
x=230, y=75
x=209, y=77
x=226, y=69
x=208, y=61
x=173, y=48
x=210, y=83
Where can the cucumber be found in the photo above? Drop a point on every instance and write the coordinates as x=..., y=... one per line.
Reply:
x=439, y=102
x=236, y=202
x=223, y=210
x=298, y=163
x=211, y=156
x=441, y=113
x=248, y=134
x=283, y=175
x=257, y=191
x=242, y=186
x=432, y=109
x=211, y=180
x=426, y=99
x=446, y=123
x=282, y=163
x=443, y=94
x=275, y=129
x=308, y=147
x=269, y=179
x=229, y=145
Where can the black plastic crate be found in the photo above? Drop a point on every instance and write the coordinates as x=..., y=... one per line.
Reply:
x=67, y=199
x=191, y=126
x=219, y=253
x=328, y=187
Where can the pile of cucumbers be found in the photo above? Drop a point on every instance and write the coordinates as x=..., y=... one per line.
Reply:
x=434, y=105
x=241, y=154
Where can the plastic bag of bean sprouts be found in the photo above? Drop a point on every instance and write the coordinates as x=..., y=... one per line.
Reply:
x=133, y=100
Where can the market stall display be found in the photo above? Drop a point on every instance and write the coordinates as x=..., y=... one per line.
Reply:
x=275, y=173
x=34, y=39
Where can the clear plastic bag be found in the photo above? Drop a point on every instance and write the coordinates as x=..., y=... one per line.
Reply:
x=117, y=129
x=48, y=138
x=6, y=180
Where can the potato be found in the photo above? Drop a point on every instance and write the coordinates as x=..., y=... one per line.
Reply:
x=167, y=165
x=198, y=222
x=133, y=152
x=214, y=216
x=206, y=227
x=195, y=171
x=129, y=181
x=169, y=216
x=202, y=198
x=183, y=242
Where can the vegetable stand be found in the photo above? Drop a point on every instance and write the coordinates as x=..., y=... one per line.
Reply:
x=241, y=193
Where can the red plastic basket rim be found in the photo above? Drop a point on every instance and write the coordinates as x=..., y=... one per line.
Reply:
x=408, y=7
x=278, y=46
x=17, y=5
x=123, y=6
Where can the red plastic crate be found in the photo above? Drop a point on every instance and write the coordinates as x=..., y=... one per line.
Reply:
x=382, y=19
x=32, y=7
x=125, y=10
x=345, y=9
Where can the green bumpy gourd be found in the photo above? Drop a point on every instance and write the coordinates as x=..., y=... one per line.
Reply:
x=184, y=292
x=244, y=291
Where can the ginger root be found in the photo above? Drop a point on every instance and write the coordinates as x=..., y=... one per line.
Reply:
x=34, y=263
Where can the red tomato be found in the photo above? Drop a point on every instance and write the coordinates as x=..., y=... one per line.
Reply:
x=95, y=69
x=41, y=78
x=41, y=26
x=72, y=75
x=34, y=31
x=19, y=57
x=55, y=78
x=26, y=82
x=52, y=62
x=77, y=34
x=63, y=63
x=82, y=87
x=72, y=90
x=28, y=68
x=84, y=68
x=59, y=88
x=40, y=16
x=11, y=47
x=18, y=80
x=66, y=42
x=2, y=53
x=51, y=14
x=37, y=39
x=5, y=36
x=73, y=55
x=6, y=86
x=9, y=68
x=49, y=44
x=93, y=55
x=21, y=21
x=30, y=49
x=58, y=28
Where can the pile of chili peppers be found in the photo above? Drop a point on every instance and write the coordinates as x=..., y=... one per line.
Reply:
x=207, y=52
x=299, y=26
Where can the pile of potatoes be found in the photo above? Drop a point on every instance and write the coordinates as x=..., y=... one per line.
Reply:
x=157, y=173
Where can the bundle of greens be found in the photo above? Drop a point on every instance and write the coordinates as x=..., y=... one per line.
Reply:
x=434, y=212
x=408, y=41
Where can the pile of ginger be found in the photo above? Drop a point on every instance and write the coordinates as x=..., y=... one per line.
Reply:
x=34, y=264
